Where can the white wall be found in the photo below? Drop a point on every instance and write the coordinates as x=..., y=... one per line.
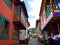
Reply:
x=22, y=34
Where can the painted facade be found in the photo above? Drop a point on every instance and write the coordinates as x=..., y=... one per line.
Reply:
x=12, y=21
x=50, y=18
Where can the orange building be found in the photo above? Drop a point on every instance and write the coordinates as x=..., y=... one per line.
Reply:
x=11, y=21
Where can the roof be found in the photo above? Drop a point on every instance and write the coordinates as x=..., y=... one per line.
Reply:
x=18, y=2
x=41, y=8
x=24, y=7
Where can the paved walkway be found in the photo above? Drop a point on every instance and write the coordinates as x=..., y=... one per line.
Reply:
x=34, y=41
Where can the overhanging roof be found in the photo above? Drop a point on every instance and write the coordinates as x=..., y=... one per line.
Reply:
x=24, y=7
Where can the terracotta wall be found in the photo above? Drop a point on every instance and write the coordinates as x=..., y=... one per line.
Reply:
x=7, y=13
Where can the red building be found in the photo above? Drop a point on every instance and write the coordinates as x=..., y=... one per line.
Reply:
x=11, y=21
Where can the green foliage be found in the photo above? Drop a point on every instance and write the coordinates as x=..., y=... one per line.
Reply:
x=33, y=31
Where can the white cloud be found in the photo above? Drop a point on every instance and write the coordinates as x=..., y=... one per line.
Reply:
x=32, y=23
x=35, y=9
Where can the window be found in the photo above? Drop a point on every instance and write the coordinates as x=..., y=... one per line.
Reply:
x=4, y=28
x=17, y=10
x=15, y=33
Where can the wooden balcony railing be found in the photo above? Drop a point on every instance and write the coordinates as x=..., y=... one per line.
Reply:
x=17, y=18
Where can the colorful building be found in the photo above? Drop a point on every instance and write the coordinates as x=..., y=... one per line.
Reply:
x=50, y=18
x=21, y=21
x=13, y=18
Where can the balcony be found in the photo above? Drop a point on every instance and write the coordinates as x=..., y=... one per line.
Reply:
x=19, y=22
x=56, y=9
x=16, y=18
x=19, y=19
x=52, y=16
x=17, y=14
x=48, y=16
x=56, y=13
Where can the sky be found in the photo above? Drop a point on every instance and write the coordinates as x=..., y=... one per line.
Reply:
x=33, y=9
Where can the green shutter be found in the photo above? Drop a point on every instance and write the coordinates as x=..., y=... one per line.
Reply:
x=2, y=37
x=8, y=23
x=6, y=1
x=0, y=24
x=48, y=11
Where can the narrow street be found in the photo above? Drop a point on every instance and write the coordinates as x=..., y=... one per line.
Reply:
x=29, y=22
x=34, y=41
